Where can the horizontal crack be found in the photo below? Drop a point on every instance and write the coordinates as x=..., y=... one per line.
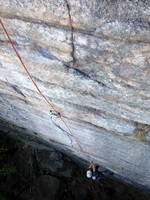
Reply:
x=47, y=24
x=83, y=74
x=68, y=28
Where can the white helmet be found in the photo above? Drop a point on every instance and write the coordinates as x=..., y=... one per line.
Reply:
x=89, y=174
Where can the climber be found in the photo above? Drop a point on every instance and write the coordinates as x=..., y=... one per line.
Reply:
x=54, y=114
x=93, y=172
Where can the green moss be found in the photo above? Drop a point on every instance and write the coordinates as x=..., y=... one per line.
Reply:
x=140, y=134
x=7, y=170
x=8, y=124
x=31, y=138
x=119, y=168
x=27, y=137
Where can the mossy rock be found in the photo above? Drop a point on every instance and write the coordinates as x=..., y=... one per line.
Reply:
x=140, y=134
x=8, y=124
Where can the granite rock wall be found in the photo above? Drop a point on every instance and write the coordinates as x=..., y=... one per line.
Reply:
x=33, y=171
x=91, y=59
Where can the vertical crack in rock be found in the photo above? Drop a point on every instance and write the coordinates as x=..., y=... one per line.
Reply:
x=72, y=33
x=68, y=134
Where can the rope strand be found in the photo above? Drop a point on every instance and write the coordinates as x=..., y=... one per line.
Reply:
x=38, y=89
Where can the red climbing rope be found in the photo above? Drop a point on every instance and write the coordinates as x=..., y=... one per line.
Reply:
x=18, y=55
x=38, y=89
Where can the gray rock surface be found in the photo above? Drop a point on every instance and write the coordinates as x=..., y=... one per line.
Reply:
x=91, y=59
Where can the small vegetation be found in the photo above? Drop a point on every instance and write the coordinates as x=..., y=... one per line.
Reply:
x=8, y=124
x=31, y=138
x=140, y=134
x=7, y=170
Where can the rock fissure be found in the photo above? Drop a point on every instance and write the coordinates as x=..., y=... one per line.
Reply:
x=83, y=74
x=65, y=132
x=67, y=28
x=83, y=31
x=72, y=33
x=16, y=88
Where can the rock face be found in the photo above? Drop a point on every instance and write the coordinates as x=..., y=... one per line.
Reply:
x=91, y=59
x=42, y=173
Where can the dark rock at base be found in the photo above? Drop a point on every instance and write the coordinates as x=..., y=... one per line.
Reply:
x=47, y=188
x=43, y=174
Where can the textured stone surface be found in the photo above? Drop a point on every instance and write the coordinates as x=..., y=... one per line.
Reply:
x=92, y=61
x=49, y=187
x=30, y=181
